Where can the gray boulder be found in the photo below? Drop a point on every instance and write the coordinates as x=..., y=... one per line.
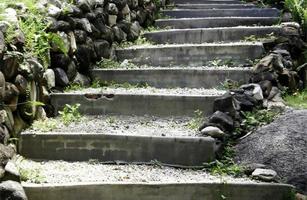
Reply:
x=280, y=146
x=11, y=190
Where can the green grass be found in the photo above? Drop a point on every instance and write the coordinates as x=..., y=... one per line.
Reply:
x=297, y=100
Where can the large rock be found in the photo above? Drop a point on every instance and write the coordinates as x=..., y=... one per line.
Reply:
x=2, y=86
x=6, y=153
x=61, y=78
x=223, y=120
x=2, y=45
x=281, y=146
x=11, y=190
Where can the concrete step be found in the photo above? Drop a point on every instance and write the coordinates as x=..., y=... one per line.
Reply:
x=215, y=6
x=159, y=191
x=210, y=35
x=211, y=22
x=173, y=77
x=139, y=101
x=206, y=2
x=191, y=54
x=198, y=13
x=120, y=147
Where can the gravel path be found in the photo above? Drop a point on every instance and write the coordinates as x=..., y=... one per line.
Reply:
x=128, y=125
x=71, y=172
x=152, y=91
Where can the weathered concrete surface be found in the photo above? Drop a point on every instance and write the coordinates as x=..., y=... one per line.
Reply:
x=158, y=105
x=195, y=13
x=169, y=78
x=159, y=191
x=127, y=148
x=215, y=6
x=216, y=22
x=229, y=34
x=191, y=54
x=282, y=146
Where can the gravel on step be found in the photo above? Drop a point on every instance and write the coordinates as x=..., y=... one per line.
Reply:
x=127, y=125
x=72, y=172
x=207, y=68
x=151, y=91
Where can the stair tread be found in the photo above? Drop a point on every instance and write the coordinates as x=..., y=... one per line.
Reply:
x=219, y=44
x=123, y=125
x=61, y=172
x=121, y=90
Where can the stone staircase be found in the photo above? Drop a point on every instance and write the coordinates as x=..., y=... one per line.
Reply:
x=200, y=32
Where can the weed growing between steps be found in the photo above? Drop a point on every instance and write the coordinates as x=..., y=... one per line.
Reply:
x=142, y=41
x=70, y=114
x=45, y=125
x=105, y=84
x=112, y=64
x=254, y=38
x=196, y=121
x=226, y=164
x=29, y=173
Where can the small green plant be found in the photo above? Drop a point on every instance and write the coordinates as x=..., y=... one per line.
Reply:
x=140, y=41
x=226, y=165
x=108, y=64
x=254, y=38
x=32, y=175
x=229, y=84
x=297, y=100
x=73, y=87
x=44, y=125
x=197, y=120
x=255, y=119
x=70, y=114
x=220, y=62
x=111, y=120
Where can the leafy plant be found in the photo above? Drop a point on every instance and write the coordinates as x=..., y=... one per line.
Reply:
x=73, y=87
x=108, y=64
x=255, y=119
x=197, y=120
x=70, y=114
x=298, y=9
x=32, y=175
x=44, y=125
x=226, y=165
x=297, y=100
x=140, y=41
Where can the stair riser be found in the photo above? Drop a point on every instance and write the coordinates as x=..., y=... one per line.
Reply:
x=215, y=6
x=215, y=22
x=190, y=55
x=110, y=148
x=222, y=13
x=206, y=2
x=158, y=105
x=185, y=191
x=173, y=78
x=208, y=35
